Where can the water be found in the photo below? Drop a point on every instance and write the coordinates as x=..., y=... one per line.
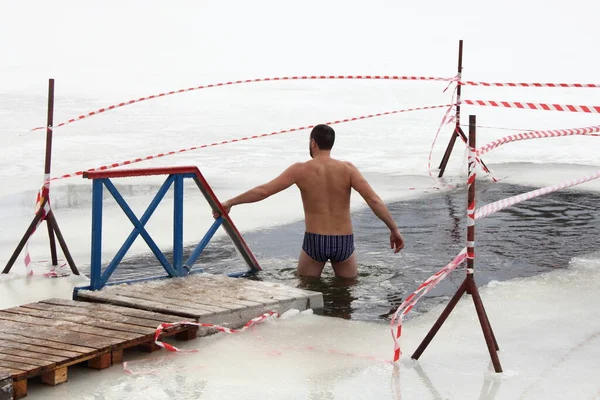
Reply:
x=537, y=262
x=526, y=240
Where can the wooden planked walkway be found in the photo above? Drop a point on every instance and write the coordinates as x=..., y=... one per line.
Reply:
x=214, y=299
x=42, y=339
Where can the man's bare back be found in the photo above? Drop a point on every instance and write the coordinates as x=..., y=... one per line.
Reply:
x=325, y=185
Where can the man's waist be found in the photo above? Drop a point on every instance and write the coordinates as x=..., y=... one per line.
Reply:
x=330, y=234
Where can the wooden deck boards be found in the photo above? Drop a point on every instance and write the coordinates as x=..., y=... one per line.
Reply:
x=44, y=338
x=207, y=298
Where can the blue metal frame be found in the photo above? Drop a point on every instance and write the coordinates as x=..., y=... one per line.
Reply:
x=99, y=279
x=178, y=225
x=202, y=245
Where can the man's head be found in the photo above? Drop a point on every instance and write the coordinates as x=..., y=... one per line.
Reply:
x=322, y=138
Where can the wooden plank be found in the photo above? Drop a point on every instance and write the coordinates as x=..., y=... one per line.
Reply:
x=202, y=290
x=115, y=336
x=26, y=360
x=177, y=296
x=217, y=298
x=17, y=338
x=229, y=287
x=201, y=298
x=39, y=349
x=128, y=311
x=24, y=370
x=271, y=288
x=95, y=321
x=162, y=296
x=188, y=296
x=239, y=291
x=104, y=315
x=55, y=335
x=176, y=292
x=30, y=354
x=140, y=304
x=212, y=292
x=13, y=368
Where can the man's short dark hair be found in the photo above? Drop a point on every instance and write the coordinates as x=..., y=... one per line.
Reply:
x=324, y=136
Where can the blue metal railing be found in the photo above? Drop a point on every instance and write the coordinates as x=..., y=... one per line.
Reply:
x=178, y=267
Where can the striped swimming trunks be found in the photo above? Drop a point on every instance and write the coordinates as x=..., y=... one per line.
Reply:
x=336, y=248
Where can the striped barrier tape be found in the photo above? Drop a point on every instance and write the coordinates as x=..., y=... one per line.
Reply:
x=169, y=347
x=587, y=131
x=482, y=212
x=160, y=155
x=41, y=199
x=408, y=303
x=230, y=83
x=446, y=119
x=534, y=106
x=471, y=208
x=534, y=84
x=496, y=206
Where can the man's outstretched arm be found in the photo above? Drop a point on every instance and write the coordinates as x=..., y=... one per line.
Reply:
x=282, y=182
x=360, y=184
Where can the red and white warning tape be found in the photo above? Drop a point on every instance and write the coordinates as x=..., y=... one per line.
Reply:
x=169, y=347
x=159, y=155
x=534, y=106
x=408, y=303
x=276, y=79
x=482, y=212
x=41, y=196
x=471, y=207
x=496, y=206
x=587, y=131
x=534, y=84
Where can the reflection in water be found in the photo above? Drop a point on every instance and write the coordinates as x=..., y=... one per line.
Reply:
x=489, y=390
x=427, y=382
x=337, y=294
x=524, y=240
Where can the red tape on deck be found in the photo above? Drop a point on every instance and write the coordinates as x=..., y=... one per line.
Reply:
x=169, y=347
x=230, y=83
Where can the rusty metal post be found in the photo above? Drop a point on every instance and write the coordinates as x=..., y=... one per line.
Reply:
x=40, y=215
x=457, y=130
x=440, y=321
x=48, y=164
x=51, y=221
x=490, y=339
x=468, y=285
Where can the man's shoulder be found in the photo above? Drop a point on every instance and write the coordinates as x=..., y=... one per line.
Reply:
x=346, y=164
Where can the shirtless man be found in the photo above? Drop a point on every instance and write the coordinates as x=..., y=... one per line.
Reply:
x=325, y=185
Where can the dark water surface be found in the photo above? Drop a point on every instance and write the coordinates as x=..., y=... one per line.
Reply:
x=527, y=239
